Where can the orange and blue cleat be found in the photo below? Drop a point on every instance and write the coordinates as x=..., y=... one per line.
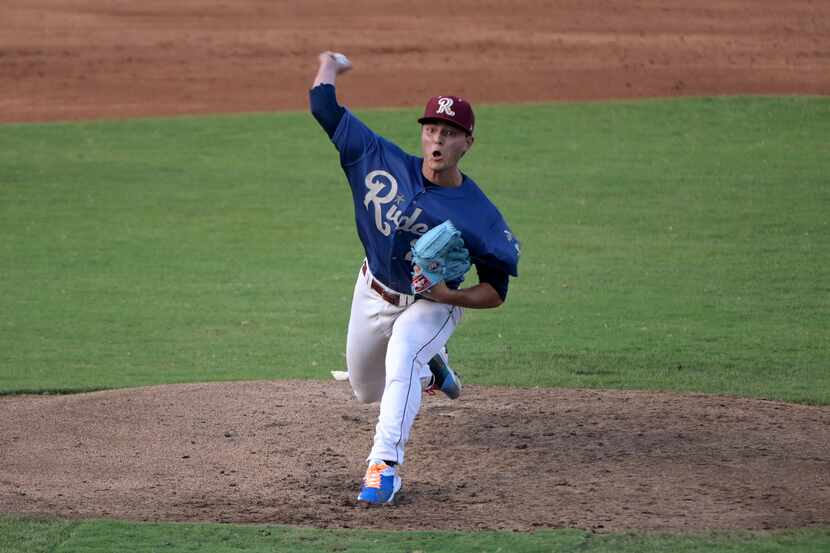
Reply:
x=380, y=484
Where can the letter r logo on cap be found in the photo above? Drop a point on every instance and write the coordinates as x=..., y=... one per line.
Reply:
x=445, y=106
x=452, y=109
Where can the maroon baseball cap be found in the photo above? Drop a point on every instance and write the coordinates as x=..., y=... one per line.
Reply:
x=452, y=109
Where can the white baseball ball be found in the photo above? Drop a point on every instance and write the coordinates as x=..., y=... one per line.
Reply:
x=340, y=58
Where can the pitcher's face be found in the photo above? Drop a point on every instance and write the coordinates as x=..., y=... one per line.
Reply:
x=443, y=145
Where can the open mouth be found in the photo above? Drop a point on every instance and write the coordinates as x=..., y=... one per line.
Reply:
x=436, y=154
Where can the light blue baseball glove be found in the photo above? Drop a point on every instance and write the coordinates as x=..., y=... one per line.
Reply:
x=438, y=256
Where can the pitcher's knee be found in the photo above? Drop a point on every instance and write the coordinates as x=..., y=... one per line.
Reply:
x=367, y=394
x=364, y=398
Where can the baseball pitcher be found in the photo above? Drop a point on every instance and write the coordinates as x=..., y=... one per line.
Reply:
x=422, y=223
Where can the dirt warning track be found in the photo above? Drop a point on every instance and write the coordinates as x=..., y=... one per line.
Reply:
x=81, y=59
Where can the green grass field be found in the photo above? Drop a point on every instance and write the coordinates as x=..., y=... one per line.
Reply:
x=675, y=245
x=31, y=536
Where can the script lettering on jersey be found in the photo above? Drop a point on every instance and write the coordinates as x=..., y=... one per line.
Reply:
x=406, y=223
x=374, y=196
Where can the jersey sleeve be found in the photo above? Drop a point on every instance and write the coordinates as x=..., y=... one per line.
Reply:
x=502, y=249
x=353, y=139
x=322, y=100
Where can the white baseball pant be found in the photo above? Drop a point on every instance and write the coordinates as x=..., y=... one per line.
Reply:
x=388, y=349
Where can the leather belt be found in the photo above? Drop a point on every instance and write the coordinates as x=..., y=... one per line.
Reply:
x=390, y=297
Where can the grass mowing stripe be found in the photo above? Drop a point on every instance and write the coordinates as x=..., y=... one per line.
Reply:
x=667, y=244
x=19, y=535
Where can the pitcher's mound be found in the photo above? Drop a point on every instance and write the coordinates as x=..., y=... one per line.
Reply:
x=293, y=453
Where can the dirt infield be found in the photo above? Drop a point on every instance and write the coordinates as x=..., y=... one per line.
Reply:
x=293, y=452
x=78, y=59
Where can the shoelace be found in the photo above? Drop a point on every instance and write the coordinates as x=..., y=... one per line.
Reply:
x=373, y=474
x=430, y=390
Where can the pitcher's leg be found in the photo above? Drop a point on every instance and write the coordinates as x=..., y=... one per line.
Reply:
x=370, y=325
x=418, y=334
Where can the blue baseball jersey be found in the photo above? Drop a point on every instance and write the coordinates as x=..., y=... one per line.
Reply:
x=394, y=205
